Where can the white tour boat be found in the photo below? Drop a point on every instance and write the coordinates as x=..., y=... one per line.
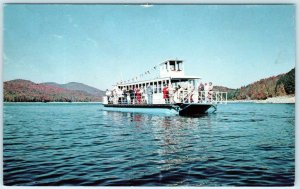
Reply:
x=171, y=92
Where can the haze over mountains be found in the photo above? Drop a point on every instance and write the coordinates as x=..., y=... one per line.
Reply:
x=75, y=86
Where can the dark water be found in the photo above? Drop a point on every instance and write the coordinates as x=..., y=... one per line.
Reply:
x=78, y=144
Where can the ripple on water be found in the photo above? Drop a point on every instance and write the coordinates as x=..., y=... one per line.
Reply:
x=61, y=145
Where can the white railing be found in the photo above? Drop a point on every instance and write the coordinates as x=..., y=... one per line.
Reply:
x=214, y=97
x=183, y=96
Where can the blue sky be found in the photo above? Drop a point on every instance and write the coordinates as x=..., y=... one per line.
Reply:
x=230, y=45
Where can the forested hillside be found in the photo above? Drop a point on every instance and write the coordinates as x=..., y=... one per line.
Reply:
x=27, y=91
x=280, y=85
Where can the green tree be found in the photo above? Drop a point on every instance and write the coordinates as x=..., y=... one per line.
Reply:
x=288, y=81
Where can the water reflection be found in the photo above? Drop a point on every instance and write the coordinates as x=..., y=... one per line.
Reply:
x=175, y=137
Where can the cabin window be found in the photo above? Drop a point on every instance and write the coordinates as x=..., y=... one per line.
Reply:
x=154, y=88
x=172, y=65
x=179, y=65
x=159, y=87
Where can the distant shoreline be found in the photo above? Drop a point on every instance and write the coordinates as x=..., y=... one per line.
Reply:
x=52, y=102
x=290, y=99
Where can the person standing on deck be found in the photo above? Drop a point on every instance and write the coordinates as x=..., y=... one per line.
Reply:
x=131, y=94
x=210, y=92
x=200, y=92
x=128, y=96
x=108, y=95
x=125, y=96
x=143, y=95
x=149, y=91
x=139, y=96
x=119, y=95
x=191, y=92
x=171, y=93
x=179, y=92
x=206, y=88
x=114, y=96
x=166, y=94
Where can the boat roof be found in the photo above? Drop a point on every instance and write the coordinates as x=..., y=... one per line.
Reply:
x=183, y=78
x=170, y=61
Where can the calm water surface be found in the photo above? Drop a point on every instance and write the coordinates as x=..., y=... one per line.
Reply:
x=79, y=144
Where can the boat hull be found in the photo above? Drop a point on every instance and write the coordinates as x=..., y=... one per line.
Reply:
x=183, y=109
x=193, y=109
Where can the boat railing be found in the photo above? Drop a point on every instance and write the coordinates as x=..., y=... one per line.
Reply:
x=183, y=96
x=213, y=97
x=126, y=99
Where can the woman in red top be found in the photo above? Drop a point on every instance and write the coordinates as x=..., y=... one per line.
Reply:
x=139, y=95
x=166, y=94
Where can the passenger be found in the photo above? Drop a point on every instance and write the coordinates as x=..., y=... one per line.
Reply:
x=200, y=92
x=124, y=96
x=206, y=88
x=210, y=91
x=179, y=93
x=149, y=94
x=135, y=95
x=131, y=94
x=119, y=93
x=114, y=96
x=171, y=93
x=108, y=95
x=138, y=95
x=128, y=97
x=166, y=94
x=143, y=95
x=191, y=90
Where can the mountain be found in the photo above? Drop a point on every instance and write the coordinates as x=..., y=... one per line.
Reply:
x=74, y=86
x=27, y=91
x=280, y=85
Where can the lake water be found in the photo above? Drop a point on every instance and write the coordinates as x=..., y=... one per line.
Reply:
x=79, y=144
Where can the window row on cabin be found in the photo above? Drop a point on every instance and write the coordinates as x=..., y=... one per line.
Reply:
x=157, y=86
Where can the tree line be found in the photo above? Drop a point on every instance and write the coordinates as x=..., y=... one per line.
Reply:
x=280, y=85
